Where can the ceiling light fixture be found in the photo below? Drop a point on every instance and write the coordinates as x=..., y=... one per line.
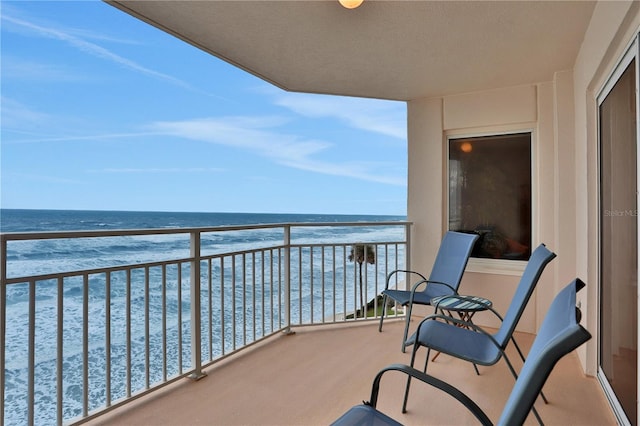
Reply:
x=350, y=4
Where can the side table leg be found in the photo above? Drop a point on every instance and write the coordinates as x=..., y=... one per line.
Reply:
x=466, y=317
x=438, y=353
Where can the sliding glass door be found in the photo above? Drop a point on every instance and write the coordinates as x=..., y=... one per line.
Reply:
x=619, y=240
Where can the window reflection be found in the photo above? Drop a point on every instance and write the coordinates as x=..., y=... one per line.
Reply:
x=490, y=193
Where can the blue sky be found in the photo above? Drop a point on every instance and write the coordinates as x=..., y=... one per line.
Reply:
x=103, y=112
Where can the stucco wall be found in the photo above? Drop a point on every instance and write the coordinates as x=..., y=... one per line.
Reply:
x=562, y=113
x=426, y=170
x=431, y=121
x=613, y=27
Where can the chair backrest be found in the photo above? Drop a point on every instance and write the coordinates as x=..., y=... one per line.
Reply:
x=559, y=334
x=539, y=259
x=452, y=259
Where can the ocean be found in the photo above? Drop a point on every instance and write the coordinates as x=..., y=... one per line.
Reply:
x=51, y=256
x=17, y=220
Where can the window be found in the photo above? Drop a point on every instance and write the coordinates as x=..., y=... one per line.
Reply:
x=490, y=193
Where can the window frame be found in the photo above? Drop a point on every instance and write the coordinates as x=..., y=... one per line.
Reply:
x=486, y=265
x=631, y=54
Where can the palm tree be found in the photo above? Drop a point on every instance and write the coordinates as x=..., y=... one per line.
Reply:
x=362, y=253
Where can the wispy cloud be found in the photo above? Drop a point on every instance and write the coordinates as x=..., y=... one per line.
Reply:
x=260, y=135
x=250, y=133
x=70, y=37
x=80, y=138
x=22, y=124
x=368, y=171
x=384, y=117
x=159, y=170
x=16, y=114
x=17, y=68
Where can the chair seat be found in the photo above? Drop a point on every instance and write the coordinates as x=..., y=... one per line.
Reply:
x=362, y=415
x=421, y=298
x=559, y=334
x=459, y=342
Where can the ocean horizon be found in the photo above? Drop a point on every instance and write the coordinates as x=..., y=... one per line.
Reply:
x=43, y=220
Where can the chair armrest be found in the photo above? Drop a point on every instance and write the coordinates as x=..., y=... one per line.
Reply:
x=430, y=380
x=495, y=313
x=428, y=282
x=415, y=286
x=386, y=287
x=453, y=290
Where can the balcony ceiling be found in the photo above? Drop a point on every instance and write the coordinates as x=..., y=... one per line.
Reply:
x=398, y=50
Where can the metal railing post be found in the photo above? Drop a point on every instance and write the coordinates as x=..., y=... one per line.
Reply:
x=287, y=279
x=407, y=250
x=196, y=335
x=3, y=317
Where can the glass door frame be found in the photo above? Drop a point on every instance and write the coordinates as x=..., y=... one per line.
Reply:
x=632, y=53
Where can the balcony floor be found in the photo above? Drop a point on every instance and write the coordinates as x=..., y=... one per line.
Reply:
x=314, y=375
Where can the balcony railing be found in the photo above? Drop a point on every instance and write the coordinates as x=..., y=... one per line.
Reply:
x=107, y=316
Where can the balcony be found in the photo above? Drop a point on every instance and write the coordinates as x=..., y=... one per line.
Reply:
x=277, y=341
x=92, y=319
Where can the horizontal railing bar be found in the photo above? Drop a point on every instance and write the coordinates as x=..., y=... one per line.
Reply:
x=332, y=244
x=68, y=274
x=293, y=245
x=52, y=235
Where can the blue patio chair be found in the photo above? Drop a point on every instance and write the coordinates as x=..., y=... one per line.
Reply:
x=559, y=334
x=465, y=340
x=445, y=277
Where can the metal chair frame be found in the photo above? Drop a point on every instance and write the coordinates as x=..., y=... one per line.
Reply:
x=446, y=274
